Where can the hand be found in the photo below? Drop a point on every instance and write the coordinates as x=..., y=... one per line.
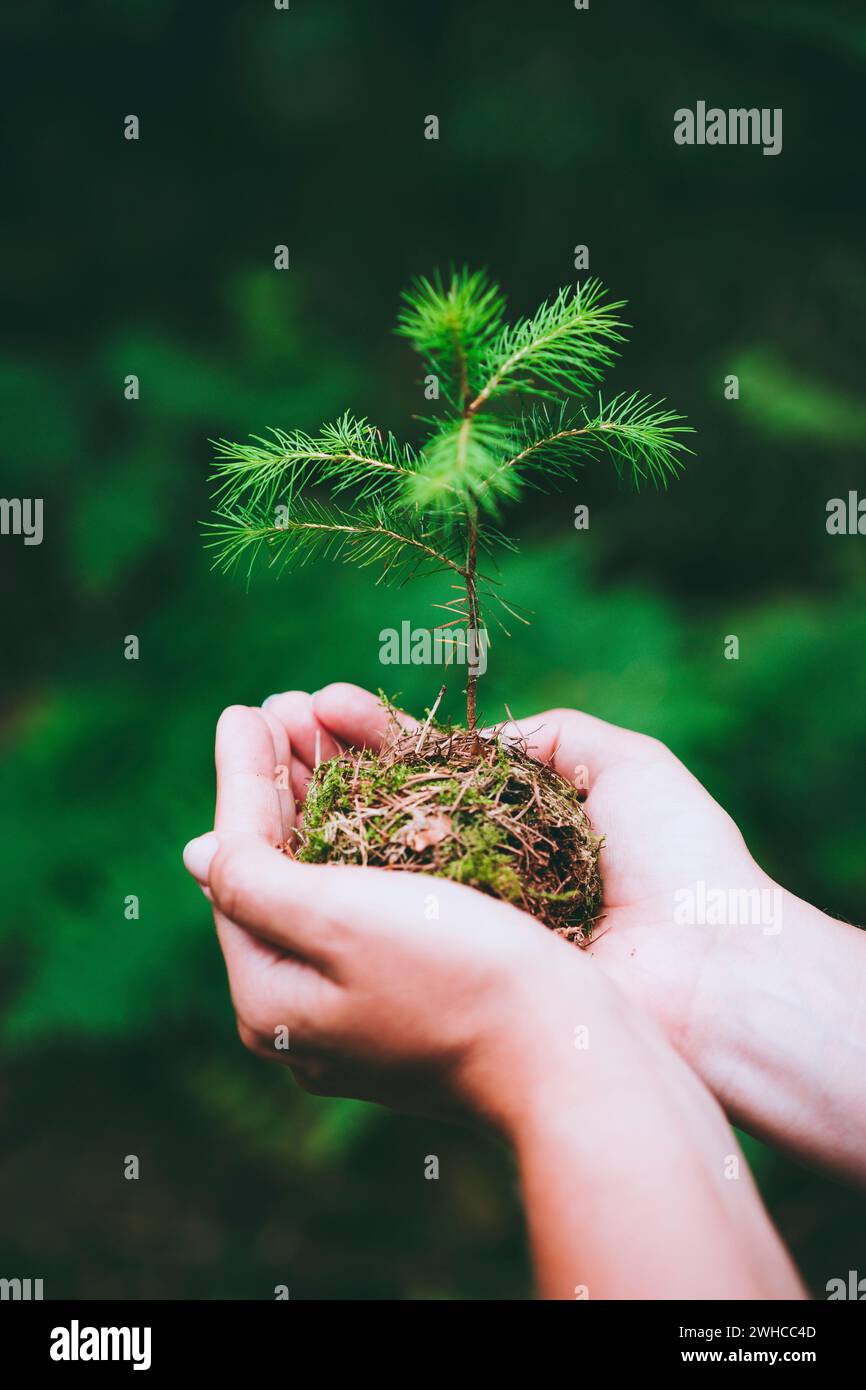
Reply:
x=767, y=1011
x=472, y=1012
x=663, y=832
x=397, y=988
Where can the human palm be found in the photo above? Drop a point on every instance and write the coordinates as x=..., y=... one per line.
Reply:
x=763, y=1017
x=663, y=834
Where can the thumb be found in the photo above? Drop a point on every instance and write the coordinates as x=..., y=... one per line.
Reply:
x=293, y=906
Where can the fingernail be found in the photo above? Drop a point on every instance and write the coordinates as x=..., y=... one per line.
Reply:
x=198, y=854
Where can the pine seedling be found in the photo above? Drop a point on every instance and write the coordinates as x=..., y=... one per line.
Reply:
x=520, y=407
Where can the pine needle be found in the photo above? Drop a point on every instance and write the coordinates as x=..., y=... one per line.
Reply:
x=312, y=530
x=564, y=347
x=348, y=454
x=451, y=324
x=405, y=511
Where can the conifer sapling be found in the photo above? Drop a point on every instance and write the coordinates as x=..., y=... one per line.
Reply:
x=443, y=800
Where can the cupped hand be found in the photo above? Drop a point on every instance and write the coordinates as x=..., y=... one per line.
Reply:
x=664, y=835
x=390, y=987
x=766, y=1012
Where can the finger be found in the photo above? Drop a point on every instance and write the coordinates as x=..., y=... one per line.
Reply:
x=197, y=856
x=284, y=903
x=250, y=962
x=248, y=958
x=253, y=1042
x=572, y=742
x=278, y=996
x=311, y=741
x=247, y=799
x=275, y=995
x=284, y=770
x=248, y=804
x=314, y=911
x=355, y=716
x=301, y=777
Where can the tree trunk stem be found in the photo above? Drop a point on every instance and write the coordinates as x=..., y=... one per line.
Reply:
x=472, y=601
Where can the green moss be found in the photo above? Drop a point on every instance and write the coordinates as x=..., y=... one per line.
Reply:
x=483, y=859
x=317, y=848
x=500, y=823
x=327, y=794
x=486, y=862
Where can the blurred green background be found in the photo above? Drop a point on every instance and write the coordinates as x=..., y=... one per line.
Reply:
x=260, y=127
